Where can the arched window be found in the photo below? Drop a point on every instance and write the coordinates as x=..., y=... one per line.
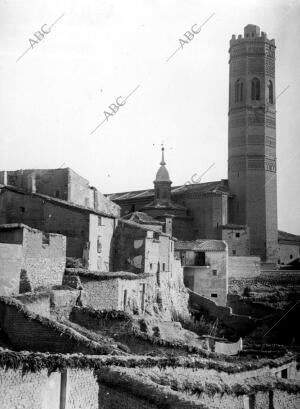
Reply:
x=238, y=91
x=255, y=89
x=271, y=94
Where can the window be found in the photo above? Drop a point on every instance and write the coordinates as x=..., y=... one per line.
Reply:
x=271, y=94
x=284, y=373
x=233, y=252
x=57, y=194
x=237, y=235
x=164, y=267
x=238, y=91
x=214, y=272
x=171, y=245
x=99, y=245
x=22, y=209
x=291, y=256
x=99, y=221
x=255, y=89
x=125, y=300
x=214, y=295
x=132, y=208
x=150, y=266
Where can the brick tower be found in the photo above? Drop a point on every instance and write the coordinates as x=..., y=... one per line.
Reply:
x=252, y=139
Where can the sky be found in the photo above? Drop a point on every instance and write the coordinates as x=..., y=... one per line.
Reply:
x=54, y=96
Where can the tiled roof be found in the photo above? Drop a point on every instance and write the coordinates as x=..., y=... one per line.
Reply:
x=201, y=245
x=284, y=237
x=209, y=187
x=142, y=218
x=234, y=226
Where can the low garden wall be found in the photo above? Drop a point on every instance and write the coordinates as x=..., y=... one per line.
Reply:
x=240, y=323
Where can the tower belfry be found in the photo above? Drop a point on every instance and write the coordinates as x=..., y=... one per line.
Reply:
x=252, y=139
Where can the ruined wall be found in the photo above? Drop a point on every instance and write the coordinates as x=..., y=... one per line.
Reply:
x=243, y=267
x=10, y=267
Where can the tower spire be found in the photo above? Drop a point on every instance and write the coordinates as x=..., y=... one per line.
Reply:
x=162, y=155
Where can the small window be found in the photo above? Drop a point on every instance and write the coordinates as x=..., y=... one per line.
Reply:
x=156, y=236
x=164, y=267
x=237, y=235
x=22, y=209
x=214, y=272
x=291, y=256
x=214, y=295
x=99, y=245
x=284, y=373
x=233, y=252
x=151, y=266
x=57, y=194
x=46, y=239
x=171, y=245
x=99, y=221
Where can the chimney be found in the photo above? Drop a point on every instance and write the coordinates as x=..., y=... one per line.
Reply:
x=168, y=225
x=96, y=202
x=31, y=183
x=3, y=177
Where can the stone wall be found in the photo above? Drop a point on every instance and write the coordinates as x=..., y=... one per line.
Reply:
x=71, y=389
x=164, y=295
x=241, y=323
x=81, y=389
x=243, y=267
x=44, y=262
x=11, y=256
x=30, y=390
x=243, y=306
x=38, y=303
x=288, y=253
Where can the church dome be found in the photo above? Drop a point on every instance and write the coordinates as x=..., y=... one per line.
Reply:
x=162, y=175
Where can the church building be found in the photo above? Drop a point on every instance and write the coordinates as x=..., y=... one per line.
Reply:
x=242, y=210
